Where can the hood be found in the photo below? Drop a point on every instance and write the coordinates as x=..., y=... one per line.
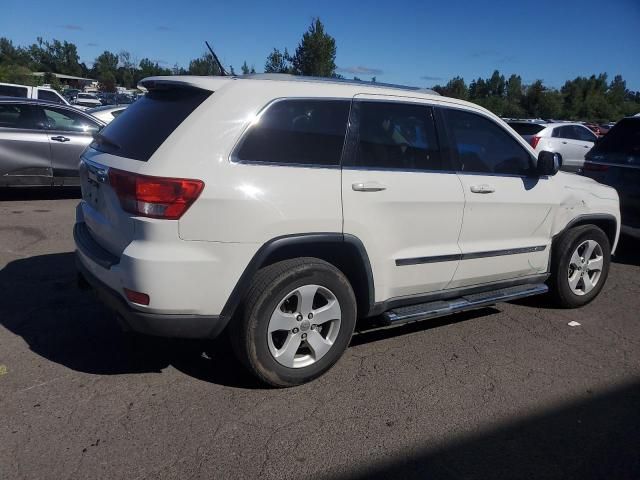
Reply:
x=572, y=181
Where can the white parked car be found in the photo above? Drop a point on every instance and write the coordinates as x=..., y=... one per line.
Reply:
x=284, y=209
x=86, y=100
x=107, y=113
x=571, y=141
x=27, y=91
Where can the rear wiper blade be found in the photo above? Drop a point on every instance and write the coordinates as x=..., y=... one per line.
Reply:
x=102, y=140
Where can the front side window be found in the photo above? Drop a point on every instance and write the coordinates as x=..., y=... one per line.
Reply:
x=395, y=135
x=482, y=146
x=25, y=117
x=48, y=95
x=68, y=121
x=299, y=132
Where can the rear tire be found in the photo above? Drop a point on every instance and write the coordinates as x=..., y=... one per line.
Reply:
x=295, y=322
x=579, y=266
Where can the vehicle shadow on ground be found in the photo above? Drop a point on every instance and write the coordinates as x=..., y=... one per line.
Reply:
x=594, y=437
x=11, y=194
x=43, y=304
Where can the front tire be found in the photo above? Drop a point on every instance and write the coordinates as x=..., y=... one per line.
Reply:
x=296, y=321
x=579, y=266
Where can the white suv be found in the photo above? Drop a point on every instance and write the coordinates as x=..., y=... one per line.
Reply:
x=572, y=141
x=283, y=209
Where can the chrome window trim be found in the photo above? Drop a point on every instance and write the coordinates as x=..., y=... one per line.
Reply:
x=400, y=262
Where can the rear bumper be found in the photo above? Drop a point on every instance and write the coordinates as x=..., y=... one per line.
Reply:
x=150, y=323
x=163, y=325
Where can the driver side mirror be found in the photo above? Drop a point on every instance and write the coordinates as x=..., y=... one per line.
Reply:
x=548, y=163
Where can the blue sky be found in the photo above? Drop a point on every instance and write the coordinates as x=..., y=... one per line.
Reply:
x=402, y=41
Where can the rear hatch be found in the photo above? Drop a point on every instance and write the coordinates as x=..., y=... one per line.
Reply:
x=109, y=168
x=615, y=161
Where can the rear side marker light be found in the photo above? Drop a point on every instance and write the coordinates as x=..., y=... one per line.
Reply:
x=154, y=197
x=136, y=297
x=534, y=141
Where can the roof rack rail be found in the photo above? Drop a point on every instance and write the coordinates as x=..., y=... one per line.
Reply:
x=343, y=81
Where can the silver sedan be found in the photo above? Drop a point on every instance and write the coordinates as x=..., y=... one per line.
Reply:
x=41, y=142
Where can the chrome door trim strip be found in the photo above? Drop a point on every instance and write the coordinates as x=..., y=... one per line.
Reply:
x=467, y=256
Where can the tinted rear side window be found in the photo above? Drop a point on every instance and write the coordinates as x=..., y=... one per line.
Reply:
x=11, y=91
x=298, y=132
x=526, y=128
x=147, y=123
x=395, y=135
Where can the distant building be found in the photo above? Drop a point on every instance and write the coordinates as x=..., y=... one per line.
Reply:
x=70, y=81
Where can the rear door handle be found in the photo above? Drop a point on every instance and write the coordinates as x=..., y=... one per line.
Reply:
x=60, y=138
x=564, y=143
x=484, y=188
x=368, y=187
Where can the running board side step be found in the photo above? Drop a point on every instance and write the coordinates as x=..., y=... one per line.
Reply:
x=439, y=308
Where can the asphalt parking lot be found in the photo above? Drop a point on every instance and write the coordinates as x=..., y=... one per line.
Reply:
x=505, y=392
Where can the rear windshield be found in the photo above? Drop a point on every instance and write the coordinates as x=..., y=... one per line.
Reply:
x=623, y=138
x=148, y=122
x=526, y=128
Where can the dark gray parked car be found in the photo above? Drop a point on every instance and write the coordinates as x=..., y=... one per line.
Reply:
x=41, y=142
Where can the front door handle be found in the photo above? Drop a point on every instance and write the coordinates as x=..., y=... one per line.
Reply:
x=484, y=188
x=564, y=143
x=60, y=138
x=368, y=187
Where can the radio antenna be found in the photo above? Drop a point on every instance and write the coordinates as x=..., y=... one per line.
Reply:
x=215, y=57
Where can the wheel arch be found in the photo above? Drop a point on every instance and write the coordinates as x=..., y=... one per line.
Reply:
x=345, y=252
x=606, y=222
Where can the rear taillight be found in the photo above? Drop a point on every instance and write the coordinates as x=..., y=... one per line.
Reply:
x=595, y=167
x=154, y=197
x=534, y=141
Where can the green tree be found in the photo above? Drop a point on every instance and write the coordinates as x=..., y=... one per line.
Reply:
x=478, y=89
x=496, y=84
x=278, y=62
x=55, y=56
x=12, y=73
x=455, y=88
x=513, y=107
x=205, y=65
x=316, y=52
x=541, y=102
x=11, y=55
x=104, y=69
